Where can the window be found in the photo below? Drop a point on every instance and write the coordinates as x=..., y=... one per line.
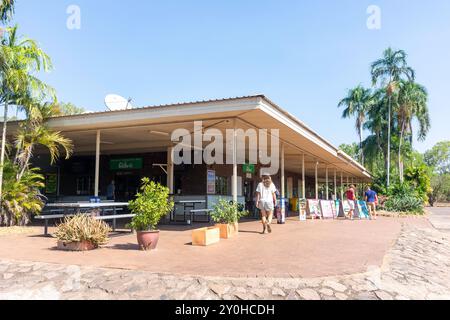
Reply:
x=85, y=186
x=221, y=186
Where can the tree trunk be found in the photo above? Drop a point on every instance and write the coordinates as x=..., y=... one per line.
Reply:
x=2, y=155
x=388, y=164
x=400, y=162
x=361, y=144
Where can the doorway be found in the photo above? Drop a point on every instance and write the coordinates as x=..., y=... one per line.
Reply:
x=127, y=185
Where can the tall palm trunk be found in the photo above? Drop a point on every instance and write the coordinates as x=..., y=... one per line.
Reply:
x=2, y=155
x=400, y=161
x=388, y=160
x=361, y=143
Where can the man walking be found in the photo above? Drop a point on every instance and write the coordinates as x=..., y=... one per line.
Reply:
x=371, y=198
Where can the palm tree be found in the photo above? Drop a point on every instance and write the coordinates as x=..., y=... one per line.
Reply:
x=358, y=102
x=411, y=103
x=6, y=10
x=390, y=70
x=20, y=59
x=34, y=132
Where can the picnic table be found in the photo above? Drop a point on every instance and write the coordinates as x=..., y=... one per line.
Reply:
x=189, y=208
x=71, y=209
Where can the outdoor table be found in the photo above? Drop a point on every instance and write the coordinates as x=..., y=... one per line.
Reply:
x=76, y=208
x=188, y=204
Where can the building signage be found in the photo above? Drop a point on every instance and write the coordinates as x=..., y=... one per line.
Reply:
x=249, y=168
x=126, y=164
x=211, y=182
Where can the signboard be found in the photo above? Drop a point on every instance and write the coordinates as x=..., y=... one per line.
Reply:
x=51, y=184
x=302, y=209
x=211, y=182
x=126, y=164
x=362, y=210
x=313, y=209
x=248, y=168
x=328, y=209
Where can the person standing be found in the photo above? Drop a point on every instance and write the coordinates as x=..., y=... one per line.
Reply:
x=111, y=191
x=265, y=201
x=371, y=197
x=351, y=198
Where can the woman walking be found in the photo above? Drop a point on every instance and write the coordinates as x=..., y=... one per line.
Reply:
x=351, y=198
x=265, y=201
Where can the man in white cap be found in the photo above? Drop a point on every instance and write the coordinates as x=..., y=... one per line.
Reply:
x=265, y=201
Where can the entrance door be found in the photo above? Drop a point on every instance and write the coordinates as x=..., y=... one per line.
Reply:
x=249, y=194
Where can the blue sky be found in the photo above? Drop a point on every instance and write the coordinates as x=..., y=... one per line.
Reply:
x=304, y=55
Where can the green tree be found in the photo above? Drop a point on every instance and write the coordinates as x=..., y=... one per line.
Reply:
x=411, y=103
x=388, y=71
x=20, y=60
x=438, y=158
x=69, y=109
x=351, y=149
x=6, y=10
x=358, y=102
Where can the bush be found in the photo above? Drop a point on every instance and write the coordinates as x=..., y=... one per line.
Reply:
x=225, y=212
x=83, y=228
x=404, y=203
x=151, y=204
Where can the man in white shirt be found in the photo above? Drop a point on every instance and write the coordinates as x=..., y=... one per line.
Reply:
x=265, y=201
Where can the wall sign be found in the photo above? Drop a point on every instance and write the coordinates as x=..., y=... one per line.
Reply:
x=248, y=168
x=211, y=182
x=126, y=164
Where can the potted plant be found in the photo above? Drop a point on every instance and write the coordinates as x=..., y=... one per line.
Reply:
x=82, y=233
x=226, y=215
x=151, y=204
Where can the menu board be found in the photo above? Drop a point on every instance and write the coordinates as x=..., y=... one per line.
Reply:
x=362, y=209
x=302, y=209
x=313, y=209
x=327, y=209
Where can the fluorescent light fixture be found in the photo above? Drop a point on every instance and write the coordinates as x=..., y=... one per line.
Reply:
x=160, y=133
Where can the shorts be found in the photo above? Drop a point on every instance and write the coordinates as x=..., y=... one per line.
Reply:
x=266, y=206
x=372, y=206
x=351, y=204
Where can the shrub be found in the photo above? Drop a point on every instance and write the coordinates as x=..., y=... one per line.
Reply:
x=150, y=205
x=405, y=203
x=83, y=228
x=226, y=212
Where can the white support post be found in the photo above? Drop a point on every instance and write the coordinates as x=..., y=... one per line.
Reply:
x=303, y=177
x=342, y=186
x=283, y=191
x=335, y=185
x=317, y=182
x=327, y=186
x=235, y=171
x=170, y=170
x=97, y=163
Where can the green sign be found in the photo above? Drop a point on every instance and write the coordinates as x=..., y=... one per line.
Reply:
x=126, y=164
x=249, y=168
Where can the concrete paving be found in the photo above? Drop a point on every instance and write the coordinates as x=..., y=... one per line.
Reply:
x=440, y=218
x=296, y=249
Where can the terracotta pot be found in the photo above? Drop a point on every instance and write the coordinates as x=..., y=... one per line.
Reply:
x=147, y=240
x=76, y=246
x=205, y=236
x=228, y=231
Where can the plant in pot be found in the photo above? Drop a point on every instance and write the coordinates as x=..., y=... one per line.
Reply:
x=226, y=214
x=151, y=204
x=82, y=233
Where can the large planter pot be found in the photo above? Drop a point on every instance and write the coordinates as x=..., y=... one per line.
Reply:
x=228, y=231
x=76, y=246
x=147, y=240
x=205, y=236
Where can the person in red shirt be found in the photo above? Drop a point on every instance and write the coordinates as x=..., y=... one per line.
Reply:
x=351, y=198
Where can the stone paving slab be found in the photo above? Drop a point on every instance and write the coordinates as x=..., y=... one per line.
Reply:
x=416, y=267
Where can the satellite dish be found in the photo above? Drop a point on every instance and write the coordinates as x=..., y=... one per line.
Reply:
x=115, y=102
